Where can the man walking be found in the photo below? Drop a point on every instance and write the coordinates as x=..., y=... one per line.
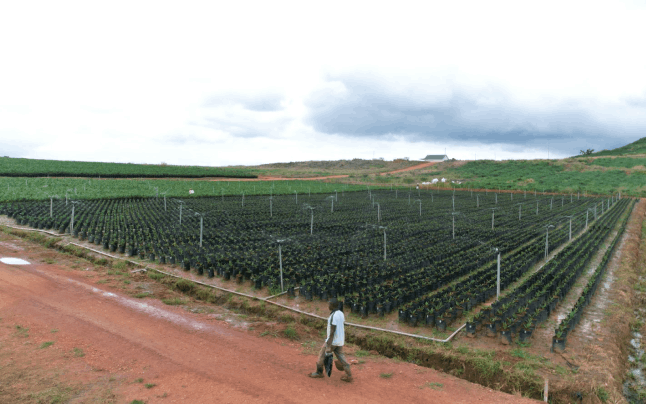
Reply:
x=334, y=342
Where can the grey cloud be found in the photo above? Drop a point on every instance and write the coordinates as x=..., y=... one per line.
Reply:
x=362, y=107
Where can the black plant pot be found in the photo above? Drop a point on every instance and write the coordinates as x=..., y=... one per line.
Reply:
x=227, y=275
x=122, y=249
x=440, y=323
x=113, y=247
x=430, y=319
x=151, y=257
x=491, y=330
x=186, y=265
x=558, y=344
x=470, y=329
x=524, y=335
x=258, y=284
x=211, y=273
x=162, y=259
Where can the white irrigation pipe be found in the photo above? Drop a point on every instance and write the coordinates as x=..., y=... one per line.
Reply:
x=265, y=299
x=314, y=315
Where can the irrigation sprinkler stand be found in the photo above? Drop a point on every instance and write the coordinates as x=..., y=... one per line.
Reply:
x=537, y=207
x=280, y=258
x=384, y=243
x=165, y=210
x=201, y=228
x=51, y=206
x=453, y=214
x=493, y=210
x=520, y=206
x=378, y=213
x=453, y=198
x=420, y=207
x=547, y=235
x=332, y=207
x=498, y=277
x=72, y=221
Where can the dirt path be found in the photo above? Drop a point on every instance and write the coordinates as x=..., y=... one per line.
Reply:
x=417, y=167
x=181, y=356
x=328, y=177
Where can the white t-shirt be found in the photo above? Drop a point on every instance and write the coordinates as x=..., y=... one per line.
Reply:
x=337, y=318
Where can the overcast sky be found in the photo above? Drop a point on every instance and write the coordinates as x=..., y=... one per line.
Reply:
x=236, y=82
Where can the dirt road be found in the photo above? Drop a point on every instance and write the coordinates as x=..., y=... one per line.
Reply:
x=328, y=177
x=149, y=351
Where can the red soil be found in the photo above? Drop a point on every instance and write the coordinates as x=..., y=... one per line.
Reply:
x=190, y=358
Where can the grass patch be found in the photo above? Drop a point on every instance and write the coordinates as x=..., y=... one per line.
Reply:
x=175, y=301
x=22, y=331
x=150, y=385
x=433, y=385
x=603, y=394
x=46, y=344
x=184, y=286
x=137, y=402
x=142, y=295
x=54, y=330
x=386, y=375
x=78, y=352
x=140, y=380
x=360, y=354
x=291, y=333
x=155, y=275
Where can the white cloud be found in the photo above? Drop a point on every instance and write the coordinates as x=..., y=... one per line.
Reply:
x=233, y=82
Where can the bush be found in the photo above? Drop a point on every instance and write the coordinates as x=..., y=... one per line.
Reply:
x=185, y=286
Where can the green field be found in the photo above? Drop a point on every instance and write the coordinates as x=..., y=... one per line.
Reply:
x=22, y=189
x=17, y=167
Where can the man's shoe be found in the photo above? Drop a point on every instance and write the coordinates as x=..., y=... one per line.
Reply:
x=346, y=378
x=316, y=375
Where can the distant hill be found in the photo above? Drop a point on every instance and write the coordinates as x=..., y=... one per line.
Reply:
x=636, y=147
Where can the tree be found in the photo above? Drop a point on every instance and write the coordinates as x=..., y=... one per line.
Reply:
x=586, y=152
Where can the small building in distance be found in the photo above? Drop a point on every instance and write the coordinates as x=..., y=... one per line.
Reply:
x=436, y=157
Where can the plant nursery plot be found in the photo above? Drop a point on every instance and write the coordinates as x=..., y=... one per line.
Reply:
x=14, y=189
x=19, y=167
x=431, y=256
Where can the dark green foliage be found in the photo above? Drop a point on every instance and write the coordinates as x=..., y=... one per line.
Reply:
x=19, y=167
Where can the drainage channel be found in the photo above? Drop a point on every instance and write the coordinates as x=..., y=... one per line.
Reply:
x=634, y=388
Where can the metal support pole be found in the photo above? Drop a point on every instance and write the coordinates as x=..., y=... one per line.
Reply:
x=498, y=279
x=547, y=235
x=201, y=229
x=312, y=223
x=165, y=210
x=280, y=258
x=570, y=229
x=51, y=206
x=453, y=227
x=384, y=244
x=72, y=222
x=519, y=211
